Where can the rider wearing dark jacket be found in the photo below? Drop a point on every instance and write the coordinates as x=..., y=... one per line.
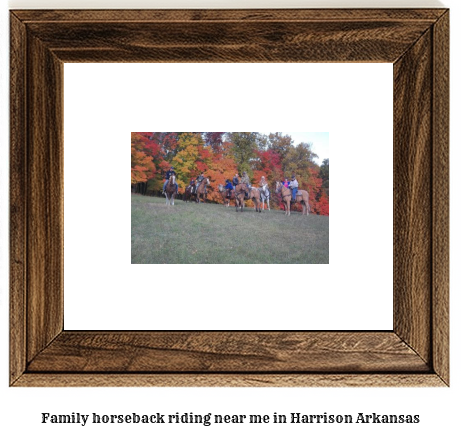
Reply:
x=168, y=174
x=200, y=179
x=236, y=180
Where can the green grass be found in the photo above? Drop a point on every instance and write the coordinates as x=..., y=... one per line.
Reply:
x=212, y=233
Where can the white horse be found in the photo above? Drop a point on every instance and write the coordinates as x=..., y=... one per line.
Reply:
x=265, y=196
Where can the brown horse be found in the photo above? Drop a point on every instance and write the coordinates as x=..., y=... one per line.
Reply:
x=188, y=193
x=255, y=196
x=170, y=190
x=226, y=198
x=240, y=191
x=201, y=192
x=301, y=197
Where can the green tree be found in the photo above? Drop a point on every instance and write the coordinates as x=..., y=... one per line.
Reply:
x=244, y=149
x=280, y=143
x=299, y=160
x=325, y=176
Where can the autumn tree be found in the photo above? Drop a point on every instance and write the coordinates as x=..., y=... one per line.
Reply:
x=143, y=149
x=268, y=165
x=186, y=162
x=323, y=205
x=214, y=140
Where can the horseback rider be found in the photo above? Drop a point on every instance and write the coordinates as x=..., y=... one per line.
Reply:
x=286, y=183
x=262, y=182
x=229, y=188
x=236, y=180
x=168, y=174
x=294, y=188
x=246, y=180
x=200, y=179
x=192, y=186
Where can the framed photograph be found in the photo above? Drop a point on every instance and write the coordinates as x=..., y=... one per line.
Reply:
x=415, y=352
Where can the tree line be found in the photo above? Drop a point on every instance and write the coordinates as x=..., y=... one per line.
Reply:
x=220, y=155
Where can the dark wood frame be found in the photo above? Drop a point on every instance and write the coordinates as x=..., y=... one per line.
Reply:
x=414, y=353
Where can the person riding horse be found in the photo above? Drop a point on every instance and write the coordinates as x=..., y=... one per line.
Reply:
x=192, y=186
x=246, y=180
x=294, y=188
x=229, y=188
x=199, y=180
x=168, y=174
x=265, y=194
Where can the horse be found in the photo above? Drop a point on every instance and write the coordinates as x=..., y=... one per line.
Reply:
x=240, y=191
x=188, y=193
x=301, y=197
x=265, y=196
x=170, y=190
x=255, y=196
x=225, y=196
x=201, y=192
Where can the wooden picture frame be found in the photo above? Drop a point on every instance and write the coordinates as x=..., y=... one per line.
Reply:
x=414, y=353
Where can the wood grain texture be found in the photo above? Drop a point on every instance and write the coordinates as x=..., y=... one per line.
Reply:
x=18, y=211
x=44, y=197
x=440, y=205
x=312, y=41
x=247, y=15
x=414, y=354
x=413, y=196
x=235, y=352
x=230, y=380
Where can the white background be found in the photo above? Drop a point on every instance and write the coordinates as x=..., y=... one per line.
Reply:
x=105, y=102
x=20, y=409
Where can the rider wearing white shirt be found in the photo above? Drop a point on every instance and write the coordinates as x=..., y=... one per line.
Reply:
x=294, y=188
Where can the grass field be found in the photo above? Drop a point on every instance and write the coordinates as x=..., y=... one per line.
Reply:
x=212, y=233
